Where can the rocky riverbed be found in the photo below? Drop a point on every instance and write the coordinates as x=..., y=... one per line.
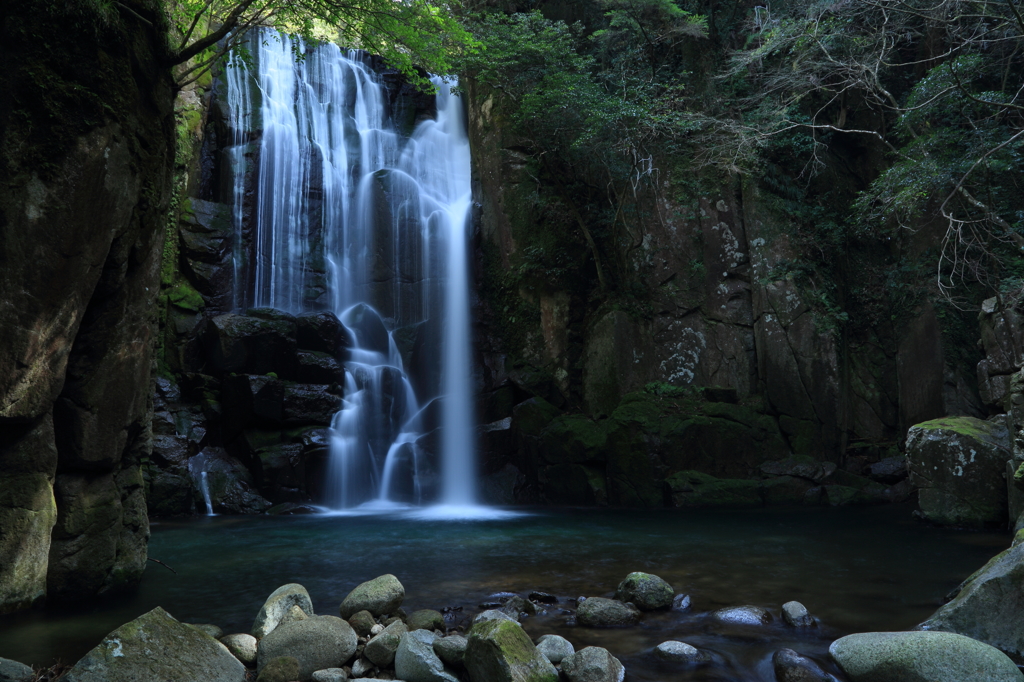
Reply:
x=373, y=637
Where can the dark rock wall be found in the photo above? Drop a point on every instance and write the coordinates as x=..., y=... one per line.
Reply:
x=87, y=144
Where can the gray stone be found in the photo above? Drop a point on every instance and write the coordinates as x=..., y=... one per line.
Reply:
x=889, y=470
x=793, y=667
x=451, y=650
x=330, y=675
x=555, y=648
x=293, y=614
x=362, y=622
x=958, y=464
x=593, y=664
x=212, y=630
x=277, y=606
x=988, y=605
x=425, y=619
x=415, y=660
x=381, y=649
x=743, y=615
x=645, y=591
x=679, y=652
x=318, y=642
x=360, y=667
x=681, y=602
x=12, y=671
x=921, y=657
x=242, y=646
x=500, y=651
x=280, y=669
x=376, y=629
x=516, y=606
x=493, y=614
x=598, y=612
x=795, y=614
x=157, y=648
x=380, y=596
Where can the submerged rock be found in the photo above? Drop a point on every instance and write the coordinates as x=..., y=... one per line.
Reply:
x=921, y=657
x=743, y=615
x=318, y=642
x=277, y=606
x=679, y=652
x=415, y=660
x=380, y=596
x=989, y=604
x=555, y=648
x=500, y=651
x=593, y=664
x=598, y=612
x=793, y=667
x=645, y=591
x=157, y=648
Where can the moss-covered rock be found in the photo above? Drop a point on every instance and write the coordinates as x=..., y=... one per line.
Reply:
x=696, y=489
x=646, y=591
x=380, y=596
x=500, y=651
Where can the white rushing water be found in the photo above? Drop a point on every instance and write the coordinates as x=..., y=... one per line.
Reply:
x=353, y=216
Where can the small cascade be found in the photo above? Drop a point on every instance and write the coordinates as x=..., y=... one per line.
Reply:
x=204, y=488
x=351, y=215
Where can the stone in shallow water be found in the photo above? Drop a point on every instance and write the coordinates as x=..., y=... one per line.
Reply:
x=157, y=648
x=795, y=614
x=790, y=666
x=242, y=646
x=380, y=596
x=679, y=652
x=681, y=602
x=318, y=642
x=743, y=615
x=593, y=664
x=555, y=648
x=647, y=592
x=921, y=657
x=277, y=606
x=598, y=612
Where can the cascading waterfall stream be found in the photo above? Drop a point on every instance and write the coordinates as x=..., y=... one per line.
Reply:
x=352, y=216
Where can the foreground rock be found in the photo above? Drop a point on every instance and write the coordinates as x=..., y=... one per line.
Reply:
x=157, y=648
x=645, y=591
x=500, y=651
x=679, y=652
x=416, y=661
x=921, y=657
x=957, y=463
x=593, y=664
x=242, y=647
x=743, y=615
x=989, y=605
x=12, y=671
x=277, y=607
x=555, y=648
x=790, y=666
x=380, y=596
x=317, y=642
x=598, y=612
x=795, y=614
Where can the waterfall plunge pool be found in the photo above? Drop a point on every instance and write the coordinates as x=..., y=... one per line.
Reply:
x=856, y=569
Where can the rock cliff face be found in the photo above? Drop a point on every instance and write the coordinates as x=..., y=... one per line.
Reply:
x=87, y=146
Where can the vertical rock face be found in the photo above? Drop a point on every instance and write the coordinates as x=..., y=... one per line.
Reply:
x=87, y=145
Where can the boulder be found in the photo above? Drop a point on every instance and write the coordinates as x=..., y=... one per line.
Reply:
x=555, y=648
x=318, y=642
x=157, y=648
x=362, y=622
x=988, y=605
x=679, y=652
x=425, y=619
x=795, y=614
x=330, y=675
x=957, y=463
x=242, y=647
x=889, y=470
x=415, y=660
x=280, y=669
x=792, y=667
x=500, y=651
x=245, y=344
x=451, y=650
x=515, y=606
x=921, y=657
x=380, y=596
x=277, y=606
x=381, y=649
x=493, y=614
x=12, y=671
x=593, y=664
x=743, y=615
x=598, y=612
x=645, y=591
x=321, y=331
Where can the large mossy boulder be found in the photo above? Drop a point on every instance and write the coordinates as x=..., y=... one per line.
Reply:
x=380, y=596
x=500, y=651
x=317, y=642
x=645, y=591
x=958, y=465
x=988, y=605
x=921, y=657
x=157, y=648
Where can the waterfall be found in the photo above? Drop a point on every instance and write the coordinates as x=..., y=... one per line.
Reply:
x=352, y=215
x=204, y=488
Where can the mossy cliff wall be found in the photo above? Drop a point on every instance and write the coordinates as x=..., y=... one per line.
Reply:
x=87, y=148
